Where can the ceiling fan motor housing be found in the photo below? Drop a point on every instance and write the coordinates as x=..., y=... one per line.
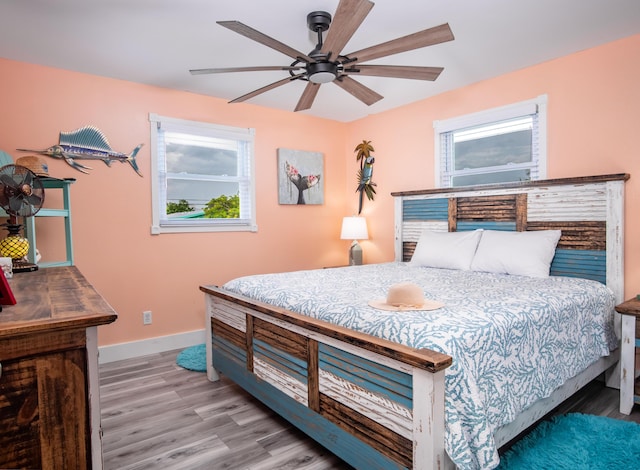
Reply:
x=322, y=72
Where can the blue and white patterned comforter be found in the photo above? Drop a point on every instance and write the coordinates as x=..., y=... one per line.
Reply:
x=513, y=339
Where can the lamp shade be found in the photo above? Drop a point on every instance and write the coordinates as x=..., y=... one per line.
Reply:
x=354, y=228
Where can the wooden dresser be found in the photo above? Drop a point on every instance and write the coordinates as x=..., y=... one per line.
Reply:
x=49, y=390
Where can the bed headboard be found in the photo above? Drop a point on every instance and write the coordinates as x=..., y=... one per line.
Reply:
x=589, y=211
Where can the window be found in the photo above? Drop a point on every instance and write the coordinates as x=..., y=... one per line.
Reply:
x=202, y=177
x=501, y=145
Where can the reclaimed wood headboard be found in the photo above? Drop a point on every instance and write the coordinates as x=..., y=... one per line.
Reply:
x=589, y=211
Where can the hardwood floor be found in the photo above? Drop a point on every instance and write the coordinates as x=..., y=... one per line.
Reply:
x=156, y=415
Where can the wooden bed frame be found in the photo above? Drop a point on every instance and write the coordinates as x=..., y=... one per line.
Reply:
x=378, y=404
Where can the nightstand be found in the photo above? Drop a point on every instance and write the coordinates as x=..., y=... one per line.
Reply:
x=630, y=311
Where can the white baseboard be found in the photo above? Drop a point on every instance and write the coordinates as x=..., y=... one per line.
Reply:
x=117, y=352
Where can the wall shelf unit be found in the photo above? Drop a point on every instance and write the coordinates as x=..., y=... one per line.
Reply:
x=65, y=212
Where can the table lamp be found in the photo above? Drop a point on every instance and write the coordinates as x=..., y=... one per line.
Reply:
x=354, y=228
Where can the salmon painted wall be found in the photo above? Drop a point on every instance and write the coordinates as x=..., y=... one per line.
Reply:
x=593, y=98
x=593, y=128
x=111, y=207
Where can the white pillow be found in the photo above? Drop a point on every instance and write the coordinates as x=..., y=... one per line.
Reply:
x=449, y=250
x=523, y=253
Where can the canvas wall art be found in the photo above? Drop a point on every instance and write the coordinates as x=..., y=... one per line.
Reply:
x=300, y=177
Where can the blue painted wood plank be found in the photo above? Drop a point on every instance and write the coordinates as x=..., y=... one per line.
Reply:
x=363, y=366
x=328, y=434
x=465, y=225
x=425, y=209
x=588, y=264
x=281, y=360
x=224, y=347
x=371, y=376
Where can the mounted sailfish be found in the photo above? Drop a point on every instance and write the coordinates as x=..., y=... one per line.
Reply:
x=87, y=143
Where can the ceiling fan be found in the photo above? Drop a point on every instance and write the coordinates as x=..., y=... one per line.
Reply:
x=325, y=63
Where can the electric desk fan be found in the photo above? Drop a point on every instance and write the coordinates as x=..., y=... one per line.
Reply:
x=21, y=195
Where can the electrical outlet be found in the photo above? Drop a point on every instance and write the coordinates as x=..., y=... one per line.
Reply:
x=146, y=317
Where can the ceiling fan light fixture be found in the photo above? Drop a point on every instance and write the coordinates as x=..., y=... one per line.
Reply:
x=322, y=72
x=322, y=77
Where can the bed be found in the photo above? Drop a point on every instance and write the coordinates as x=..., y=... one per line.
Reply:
x=401, y=389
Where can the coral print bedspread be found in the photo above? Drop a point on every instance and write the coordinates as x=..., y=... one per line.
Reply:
x=513, y=339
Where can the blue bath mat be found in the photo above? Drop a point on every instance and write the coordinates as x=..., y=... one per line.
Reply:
x=577, y=442
x=193, y=358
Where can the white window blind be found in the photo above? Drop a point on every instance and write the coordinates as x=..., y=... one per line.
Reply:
x=197, y=162
x=499, y=145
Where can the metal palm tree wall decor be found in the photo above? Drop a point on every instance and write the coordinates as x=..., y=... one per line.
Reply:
x=365, y=184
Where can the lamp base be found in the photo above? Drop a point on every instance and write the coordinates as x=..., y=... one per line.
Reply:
x=355, y=254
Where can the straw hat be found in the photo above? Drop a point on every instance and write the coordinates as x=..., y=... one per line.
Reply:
x=36, y=164
x=405, y=296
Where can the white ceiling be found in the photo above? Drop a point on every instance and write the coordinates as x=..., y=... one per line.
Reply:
x=156, y=42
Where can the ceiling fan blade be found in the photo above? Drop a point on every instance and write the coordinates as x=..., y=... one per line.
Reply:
x=347, y=19
x=396, y=71
x=257, y=36
x=259, y=91
x=427, y=37
x=244, y=69
x=357, y=89
x=308, y=95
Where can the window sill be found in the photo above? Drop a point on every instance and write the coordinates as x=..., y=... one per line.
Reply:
x=158, y=230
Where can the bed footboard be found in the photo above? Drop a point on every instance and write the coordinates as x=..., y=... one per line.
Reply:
x=374, y=403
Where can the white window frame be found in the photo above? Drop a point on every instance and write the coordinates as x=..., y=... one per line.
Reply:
x=537, y=106
x=160, y=224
